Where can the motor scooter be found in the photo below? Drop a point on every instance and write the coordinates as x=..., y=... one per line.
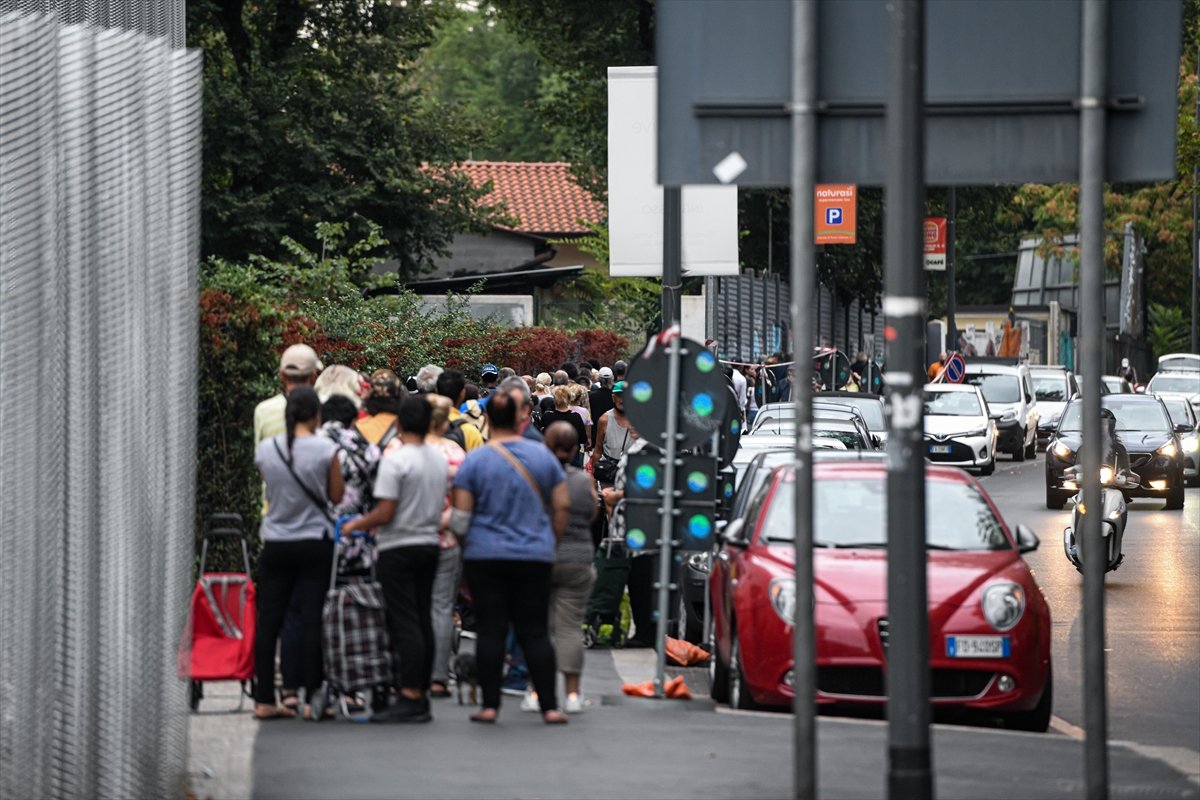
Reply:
x=1113, y=513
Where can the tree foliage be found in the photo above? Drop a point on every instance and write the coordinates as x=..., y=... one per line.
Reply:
x=310, y=113
x=579, y=41
x=479, y=69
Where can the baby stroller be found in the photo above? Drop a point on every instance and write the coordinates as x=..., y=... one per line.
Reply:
x=218, y=642
x=357, y=655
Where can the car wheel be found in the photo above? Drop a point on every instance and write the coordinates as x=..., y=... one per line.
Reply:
x=1055, y=500
x=1038, y=719
x=1175, y=498
x=1031, y=450
x=739, y=692
x=1019, y=453
x=988, y=468
x=718, y=677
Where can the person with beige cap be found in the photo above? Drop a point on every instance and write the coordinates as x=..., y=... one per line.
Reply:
x=298, y=366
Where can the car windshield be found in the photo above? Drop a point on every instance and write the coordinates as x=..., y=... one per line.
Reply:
x=997, y=388
x=1113, y=384
x=849, y=439
x=1130, y=417
x=1177, y=409
x=952, y=404
x=852, y=512
x=870, y=408
x=1050, y=387
x=1184, y=362
x=1180, y=384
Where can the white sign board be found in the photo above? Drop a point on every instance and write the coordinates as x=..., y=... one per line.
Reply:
x=635, y=200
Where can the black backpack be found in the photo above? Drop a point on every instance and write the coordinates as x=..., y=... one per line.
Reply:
x=455, y=432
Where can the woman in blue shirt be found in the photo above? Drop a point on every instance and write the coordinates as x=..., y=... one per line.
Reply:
x=511, y=506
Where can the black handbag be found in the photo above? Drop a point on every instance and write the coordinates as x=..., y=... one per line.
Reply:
x=606, y=466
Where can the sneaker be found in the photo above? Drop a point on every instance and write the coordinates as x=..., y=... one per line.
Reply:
x=575, y=704
x=405, y=710
x=530, y=702
x=515, y=688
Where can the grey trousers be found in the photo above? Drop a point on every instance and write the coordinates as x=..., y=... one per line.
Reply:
x=571, y=586
x=441, y=611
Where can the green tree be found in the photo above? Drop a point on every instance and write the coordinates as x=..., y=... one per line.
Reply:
x=311, y=112
x=579, y=41
x=481, y=70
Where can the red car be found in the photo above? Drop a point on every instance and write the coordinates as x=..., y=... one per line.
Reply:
x=989, y=626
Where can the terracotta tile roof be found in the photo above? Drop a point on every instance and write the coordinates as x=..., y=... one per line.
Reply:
x=541, y=195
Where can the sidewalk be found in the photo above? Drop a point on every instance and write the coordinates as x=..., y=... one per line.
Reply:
x=627, y=747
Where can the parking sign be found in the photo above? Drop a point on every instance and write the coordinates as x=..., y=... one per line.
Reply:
x=836, y=207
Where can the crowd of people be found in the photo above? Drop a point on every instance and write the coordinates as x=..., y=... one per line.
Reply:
x=492, y=491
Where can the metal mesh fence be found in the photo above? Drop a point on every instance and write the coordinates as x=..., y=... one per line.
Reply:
x=99, y=180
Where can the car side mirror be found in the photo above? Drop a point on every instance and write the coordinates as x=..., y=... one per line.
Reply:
x=1183, y=427
x=1027, y=540
x=1130, y=480
x=732, y=535
x=875, y=440
x=1028, y=398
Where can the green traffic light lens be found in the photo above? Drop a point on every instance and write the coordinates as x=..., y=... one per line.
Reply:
x=705, y=361
x=699, y=527
x=642, y=392
x=646, y=476
x=702, y=404
x=697, y=482
x=635, y=539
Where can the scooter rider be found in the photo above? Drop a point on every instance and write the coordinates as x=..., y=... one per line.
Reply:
x=1115, y=450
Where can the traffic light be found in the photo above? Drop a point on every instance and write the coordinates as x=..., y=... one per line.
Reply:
x=696, y=488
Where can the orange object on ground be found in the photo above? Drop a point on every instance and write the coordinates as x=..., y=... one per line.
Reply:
x=685, y=654
x=676, y=689
x=639, y=689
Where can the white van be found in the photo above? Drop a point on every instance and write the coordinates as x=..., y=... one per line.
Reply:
x=1008, y=390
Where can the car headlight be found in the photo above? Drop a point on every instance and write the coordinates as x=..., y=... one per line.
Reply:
x=1061, y=450
x=783, y=598
x=1003, y=605
x=976, y=432
x=1106, y=476
x=1190, y=442
x=1169, y=450
x=1008, y=416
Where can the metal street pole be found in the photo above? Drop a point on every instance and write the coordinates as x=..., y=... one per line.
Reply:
x=909, y=761
x=667, y=532
x=672, y=278
x=951, y=286
x=1091, y=351
x=804, y=268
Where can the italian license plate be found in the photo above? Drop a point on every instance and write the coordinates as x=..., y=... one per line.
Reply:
x=978, y=646
x=939, y=448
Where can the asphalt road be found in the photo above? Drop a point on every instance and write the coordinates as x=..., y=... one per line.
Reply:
x=1153, y=613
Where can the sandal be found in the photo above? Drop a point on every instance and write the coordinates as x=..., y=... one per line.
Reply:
x=554, y=717
x=291, y=699
x=328, y=713
x=438, y=690
x=273, y=712
x=486, y=716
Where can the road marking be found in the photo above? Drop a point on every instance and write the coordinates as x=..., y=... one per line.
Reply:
x=1060, y=725
x=1181, y=759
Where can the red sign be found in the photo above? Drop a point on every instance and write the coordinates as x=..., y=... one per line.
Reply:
x=836, y=213
x=935, y=243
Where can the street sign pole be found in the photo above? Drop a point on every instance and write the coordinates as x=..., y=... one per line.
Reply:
x=1091, y=343
x=803, y=180
x=951, y=293
x=667, y=531
x=672, y=274
x=909, y=762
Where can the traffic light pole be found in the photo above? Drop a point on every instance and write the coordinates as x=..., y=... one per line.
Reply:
x=1091, y=357
x=804, y=256
x=909, y=760
x=670, y=453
